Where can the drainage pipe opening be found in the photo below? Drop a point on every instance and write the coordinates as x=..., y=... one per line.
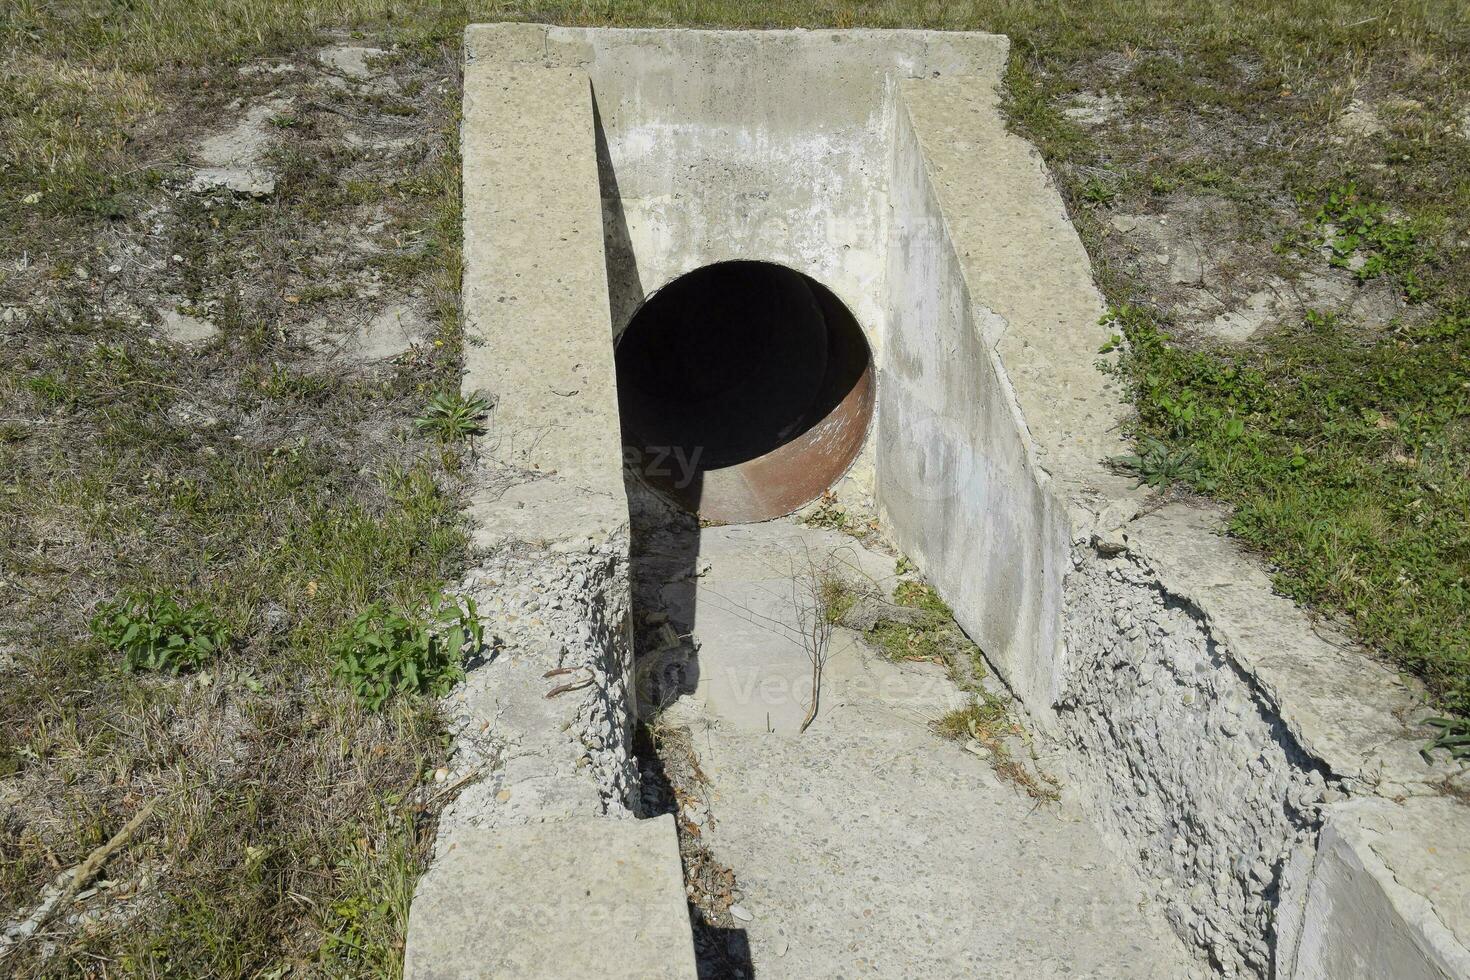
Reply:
x=745, y=390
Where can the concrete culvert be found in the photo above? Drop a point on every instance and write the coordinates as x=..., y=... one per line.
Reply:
x=745, y=389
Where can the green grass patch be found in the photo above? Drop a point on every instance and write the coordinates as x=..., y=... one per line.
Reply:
x=932, y=635
x=1345, y=461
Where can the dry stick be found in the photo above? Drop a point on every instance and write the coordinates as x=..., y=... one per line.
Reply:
x=80, y=876
x=816, y=631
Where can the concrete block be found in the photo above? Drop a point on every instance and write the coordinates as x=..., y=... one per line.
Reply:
x=574, y=898
x=1386, y=893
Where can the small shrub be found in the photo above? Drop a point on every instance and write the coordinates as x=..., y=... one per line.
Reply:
x=451, y=416
x=156, y=633
x=385, y=652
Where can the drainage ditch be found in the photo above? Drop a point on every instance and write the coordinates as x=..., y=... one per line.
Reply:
x=922, y=319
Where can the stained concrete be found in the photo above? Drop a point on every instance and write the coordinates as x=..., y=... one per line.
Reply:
x=868, y=846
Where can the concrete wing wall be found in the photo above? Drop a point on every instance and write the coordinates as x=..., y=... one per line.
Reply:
x=1211, y=731
x=542, y=868
x=956, y=483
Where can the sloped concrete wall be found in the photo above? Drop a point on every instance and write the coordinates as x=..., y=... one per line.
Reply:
x=957, y=482
x=1210, y=729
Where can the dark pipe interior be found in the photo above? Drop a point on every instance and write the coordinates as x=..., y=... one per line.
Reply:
x=745, y=390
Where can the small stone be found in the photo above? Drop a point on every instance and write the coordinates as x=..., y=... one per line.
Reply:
x=502, y=796
x=441, y=774
x=184, y=329
x=739, y=912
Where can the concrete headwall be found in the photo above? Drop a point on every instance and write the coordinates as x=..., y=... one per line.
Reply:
x=1261, y=774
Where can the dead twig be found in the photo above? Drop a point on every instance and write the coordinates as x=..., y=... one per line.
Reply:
x=76, y=879
x=811, y=594
x=564, y=688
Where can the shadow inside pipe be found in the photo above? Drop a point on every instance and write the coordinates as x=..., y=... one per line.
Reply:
x=752, y=378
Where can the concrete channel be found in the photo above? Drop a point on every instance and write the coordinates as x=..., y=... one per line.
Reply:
x=744, y=269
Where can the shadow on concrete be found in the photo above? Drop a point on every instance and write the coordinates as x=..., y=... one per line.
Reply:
x=719, y=953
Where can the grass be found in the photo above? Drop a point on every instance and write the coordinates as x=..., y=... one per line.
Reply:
x=930, y=634
x=1345, y=461
x=286, y=499
x=190, y=536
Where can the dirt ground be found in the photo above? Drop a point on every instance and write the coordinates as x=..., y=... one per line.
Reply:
x=211, y=394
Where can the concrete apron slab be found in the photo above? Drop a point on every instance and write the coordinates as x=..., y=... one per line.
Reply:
x=586, y=897
x=1243, y=762
x=868, y=846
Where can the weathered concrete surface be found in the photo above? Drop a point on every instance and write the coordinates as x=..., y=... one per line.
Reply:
x=1139, y=640
x=616, y=883
x=868, y=846
x=959, y=481
x=714, y=145
x=747, y=144
x=1384, y=894
x=1209, y=721
x=540, y=868
x=536, y=307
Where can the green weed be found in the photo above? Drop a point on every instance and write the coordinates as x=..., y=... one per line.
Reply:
x=1159, y=466
x=1362, y=237
x=452, y=416
x=1453, y=737
x=384, y=652
x=1099, y=192
x=156, y=633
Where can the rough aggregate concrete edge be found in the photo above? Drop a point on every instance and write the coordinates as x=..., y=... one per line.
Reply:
x=1186, y=760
